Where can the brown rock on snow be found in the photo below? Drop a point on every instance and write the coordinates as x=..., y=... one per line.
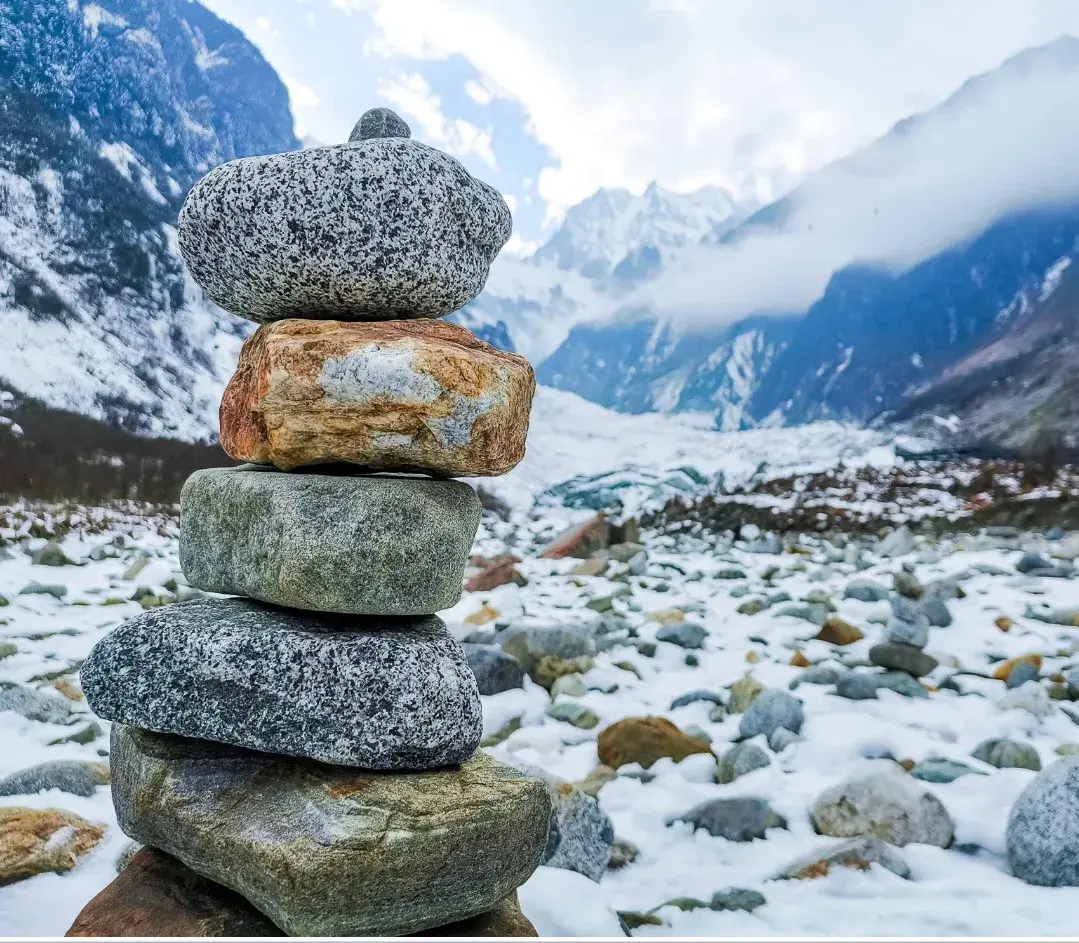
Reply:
x=37, y=841
x=497, y=572
x=419, y=395
x=838, y=632
x=579, y=541
x=644, y=740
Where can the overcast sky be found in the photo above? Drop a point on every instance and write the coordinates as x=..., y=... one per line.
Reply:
x=551, y=99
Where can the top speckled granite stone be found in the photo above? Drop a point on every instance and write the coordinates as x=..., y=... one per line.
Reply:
x=381, y=228
x=359, y=544
x=380, y=123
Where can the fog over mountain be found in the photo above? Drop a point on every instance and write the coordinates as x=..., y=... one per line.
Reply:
x=1001, y=143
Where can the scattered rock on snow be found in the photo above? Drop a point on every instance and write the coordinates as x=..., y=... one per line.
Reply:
x=78, y=777
x=1042, y=834
x=884, y=802
x=644, y=740
x=770, y=710
x=858, y=854
x=740, y=759
x=742, y=819
x=1008, y=754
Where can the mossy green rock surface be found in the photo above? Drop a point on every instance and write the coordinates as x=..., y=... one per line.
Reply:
x=332, y=851
x=391, y=545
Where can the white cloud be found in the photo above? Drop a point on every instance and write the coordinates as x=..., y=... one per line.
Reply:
x=478, y=93
x=262, y=24
x=748, y=94
x=411, y=93
x=300, y=95
x=511, y=201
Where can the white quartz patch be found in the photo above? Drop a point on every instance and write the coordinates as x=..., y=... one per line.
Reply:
x=380, y=373
x=375, y=372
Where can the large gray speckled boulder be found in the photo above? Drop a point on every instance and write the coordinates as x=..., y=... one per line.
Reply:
x=883, y=801
x=380, y=228
x=1042, y=835
x=377, y=693
x=359, y=544
x=329, y=850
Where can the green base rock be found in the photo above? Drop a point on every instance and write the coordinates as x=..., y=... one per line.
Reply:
x=332, y=851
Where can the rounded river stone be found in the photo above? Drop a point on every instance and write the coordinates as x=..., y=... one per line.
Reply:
x=358, y=544
x=332, y=851
x=377, y=229
x=377, y=693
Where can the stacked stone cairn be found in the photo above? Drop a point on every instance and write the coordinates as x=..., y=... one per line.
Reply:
x=302, y=757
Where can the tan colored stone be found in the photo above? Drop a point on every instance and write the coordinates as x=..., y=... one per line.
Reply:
x=486, y=613
x=156, y=896
x=644, y=740
x=37, y=841
x=799, y=660
x=419, y=395
x=838, y=632
x=1004, y=623
x=593, y=566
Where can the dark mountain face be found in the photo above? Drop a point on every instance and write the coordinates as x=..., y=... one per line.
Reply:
x=1017, y=393
x=107, y=116
x=874, y=337
x=642, y=365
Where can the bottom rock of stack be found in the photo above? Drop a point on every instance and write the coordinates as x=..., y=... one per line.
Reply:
x=156, y=896
x=328, y=850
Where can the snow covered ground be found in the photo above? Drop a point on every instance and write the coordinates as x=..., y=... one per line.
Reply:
x=965, y=890
x=568, y=436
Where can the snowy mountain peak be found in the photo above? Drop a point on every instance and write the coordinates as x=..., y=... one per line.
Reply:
x=613, y=224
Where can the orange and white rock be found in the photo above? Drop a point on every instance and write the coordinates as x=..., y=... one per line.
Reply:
x=417, y=395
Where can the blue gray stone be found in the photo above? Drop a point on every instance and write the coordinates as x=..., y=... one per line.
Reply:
x=692, y=697
x=865, y=590
x=683, y=634
x=899, y=656
x=938, y=769
x=495, y=671
x=78, y=777
x=901, y=683
x=1023, y=672
x=770, y=710
x=33, y=705
x=857, y=686
x=937, y=612
x=740, y=759
x=740, y=820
